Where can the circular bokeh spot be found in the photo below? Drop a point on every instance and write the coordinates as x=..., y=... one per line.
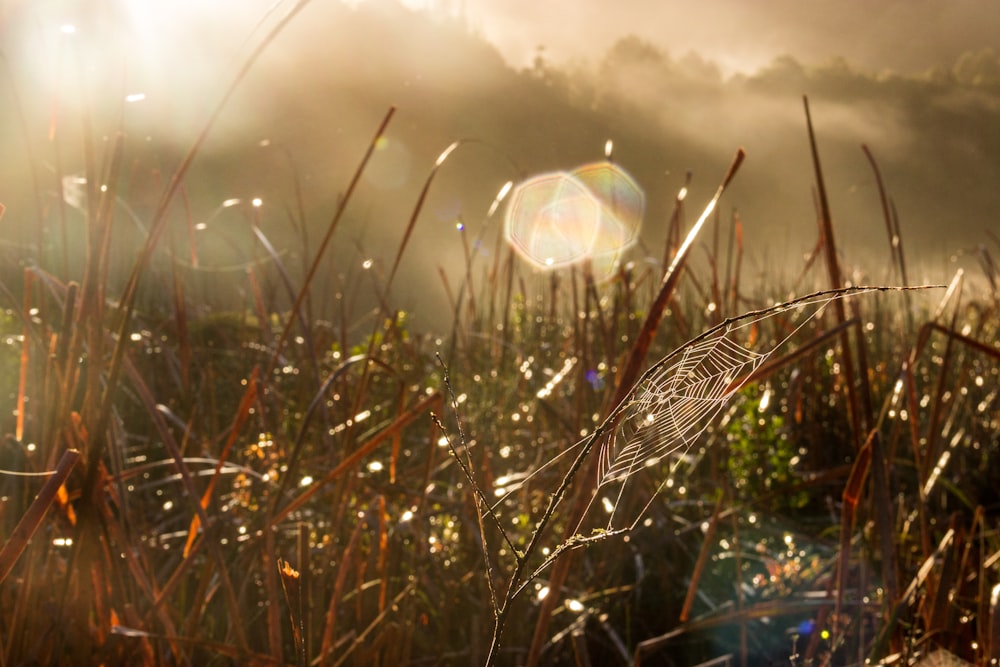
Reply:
x=552, y=220
x=558, y=219
x=623, y=201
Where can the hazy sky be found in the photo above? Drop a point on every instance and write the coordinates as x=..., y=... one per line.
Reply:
x=903, y=35
x=321, y=86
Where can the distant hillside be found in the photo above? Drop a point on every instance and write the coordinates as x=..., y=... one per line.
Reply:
x=310, y=106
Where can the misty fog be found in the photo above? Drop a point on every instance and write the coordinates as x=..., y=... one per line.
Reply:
x=306, y=112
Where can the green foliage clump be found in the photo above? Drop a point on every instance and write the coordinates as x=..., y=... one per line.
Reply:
x=761, y=455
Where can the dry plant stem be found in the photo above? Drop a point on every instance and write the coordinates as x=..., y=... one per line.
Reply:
x=292, y=590
x=242, y=414
x=146, y=397
x=412, y=223
x=355, y=457
x=271, y=576
x=699, y=566
x=98, y=409
x=328, y=639
x=29, y=523
x=860, y=410
x=363, y=635
x=880, y=487
x=483, y=503
x=972, y=343
x=314, y=267
x=895, y=241
x=316, y=403
x=130, y=292
x=86, y=551
x=305, y=594
x=518, y=582
x=676, y=220
x=833, y=269
x=626, y=381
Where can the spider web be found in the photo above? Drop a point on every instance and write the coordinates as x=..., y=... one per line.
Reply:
x=679, y=397
x=675, y=403
x=667, y=410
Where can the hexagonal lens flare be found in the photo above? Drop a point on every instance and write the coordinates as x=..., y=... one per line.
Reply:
x=619, y=193
x=559, y=218
x=552, y=220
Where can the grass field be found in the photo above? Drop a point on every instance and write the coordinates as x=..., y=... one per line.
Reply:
x=291, y=483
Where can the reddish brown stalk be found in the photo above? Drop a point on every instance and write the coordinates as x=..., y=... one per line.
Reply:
x=676, y=222
x=271, y=575
x=291, y=586
x=32, y=519
x=707, y=544
x=895, y=242
x=628, y=376
x=894, y=234
x=65, y=369
x=201, y=595
x=279, y=345
x=860, y=415
x=851, y=497
x=357, y=456
x=138, y=566
x=329, y=627
x=972, y=343
x=184, y=352
x=885, y=515
x=836, y=281
x=242, y=413
x=734, y=261
x=916, y=443
x=304, y=599
x=223, y=578
x=714, y=287
x=383, y=553
x=940, y=403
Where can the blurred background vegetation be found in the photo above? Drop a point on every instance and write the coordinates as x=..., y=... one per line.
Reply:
x=258, y=479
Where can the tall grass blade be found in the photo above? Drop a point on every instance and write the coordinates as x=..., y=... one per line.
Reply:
x=324, y=244
x=423, y=406
x=625, y=382
x=250, y=396
x=32, y=519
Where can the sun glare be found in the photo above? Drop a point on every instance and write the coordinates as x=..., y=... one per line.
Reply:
x=416, y=5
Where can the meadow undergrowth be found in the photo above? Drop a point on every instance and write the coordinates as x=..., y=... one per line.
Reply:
x=281, y=481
